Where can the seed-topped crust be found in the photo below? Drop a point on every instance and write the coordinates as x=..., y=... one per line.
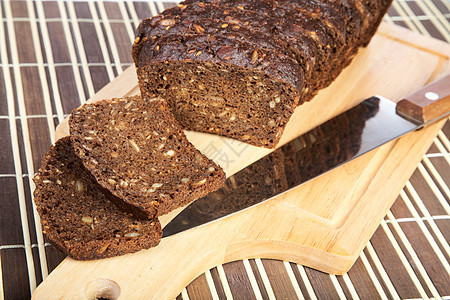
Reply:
x=223, y=49
x=76, y=212
x=263, y=31
x=135, y=149
x=323, y=17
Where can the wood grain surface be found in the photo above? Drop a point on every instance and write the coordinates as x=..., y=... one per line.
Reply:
x=58, y=54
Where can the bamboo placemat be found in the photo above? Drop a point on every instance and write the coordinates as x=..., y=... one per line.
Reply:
x=56, y=54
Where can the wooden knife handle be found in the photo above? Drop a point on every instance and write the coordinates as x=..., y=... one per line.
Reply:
x=430, y=103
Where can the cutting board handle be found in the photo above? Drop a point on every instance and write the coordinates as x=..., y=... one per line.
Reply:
x=427, y=104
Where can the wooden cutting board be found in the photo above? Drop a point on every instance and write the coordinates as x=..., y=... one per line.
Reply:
x=323, y=224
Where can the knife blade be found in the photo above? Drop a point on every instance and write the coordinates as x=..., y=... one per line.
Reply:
x=363, y=128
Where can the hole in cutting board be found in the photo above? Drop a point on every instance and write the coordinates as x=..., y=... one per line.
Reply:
x=102, y=288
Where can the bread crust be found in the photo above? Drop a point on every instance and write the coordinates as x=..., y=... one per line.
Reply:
x=320, y=37
x=77, y=215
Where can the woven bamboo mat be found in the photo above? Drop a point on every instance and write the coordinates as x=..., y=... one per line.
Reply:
x=56, y=54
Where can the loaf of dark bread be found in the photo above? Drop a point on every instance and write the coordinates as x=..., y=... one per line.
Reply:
x=239, y=68
x=76, y=212
x=319, y=34
x=135, y=149
x=210, y=100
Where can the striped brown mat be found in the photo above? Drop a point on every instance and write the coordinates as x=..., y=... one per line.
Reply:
x=56, y=54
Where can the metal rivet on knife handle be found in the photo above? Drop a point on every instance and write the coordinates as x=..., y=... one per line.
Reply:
x=432, y=96
x=427, y=104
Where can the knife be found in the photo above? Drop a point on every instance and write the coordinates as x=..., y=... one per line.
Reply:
x=363, y=128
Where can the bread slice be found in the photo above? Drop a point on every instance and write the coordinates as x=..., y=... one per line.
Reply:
x=223, y=86
x=135, y=149
x=76, y=214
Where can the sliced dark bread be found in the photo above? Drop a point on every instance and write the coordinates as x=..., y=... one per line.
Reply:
x=323, y=36
x=223, y=86
x=307, y=46
x=321, y=22
x=76, y=214
x=136, y=149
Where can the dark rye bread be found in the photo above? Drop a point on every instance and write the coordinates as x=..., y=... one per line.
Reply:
x=135, y=149
x=259, y=15
x=363, y=19
x=76, y=214
x=188, y=25
x=176, y=19
x=306, y=45
x=192, y=26
x=296, y=12
x=323, y=36
x=331, y=17
x=324, y=18
x=227, y=50
x=275, y=18
x=236, y=92
x=377, y=10
x=342, y=24
x=330, y=12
